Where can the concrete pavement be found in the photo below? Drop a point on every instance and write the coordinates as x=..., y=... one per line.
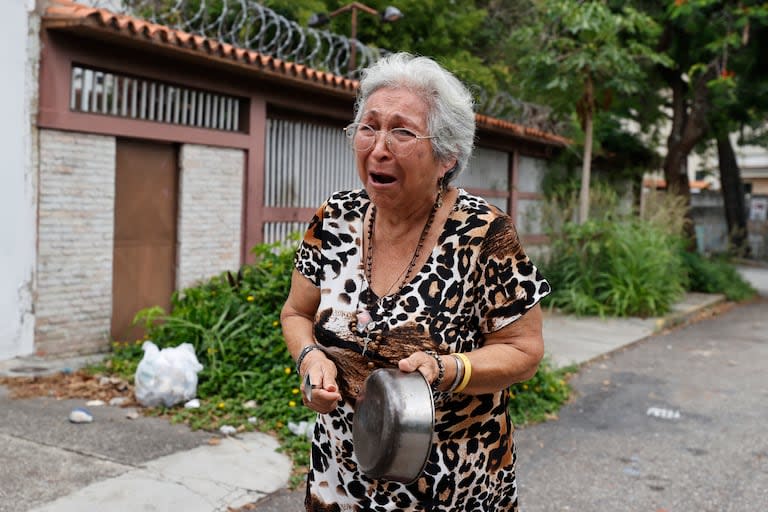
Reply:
x=147, y=464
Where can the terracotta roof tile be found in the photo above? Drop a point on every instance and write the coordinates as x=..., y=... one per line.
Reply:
x=67, y=13
x=523, y=131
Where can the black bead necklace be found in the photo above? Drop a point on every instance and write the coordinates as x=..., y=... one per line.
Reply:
x=363, y=316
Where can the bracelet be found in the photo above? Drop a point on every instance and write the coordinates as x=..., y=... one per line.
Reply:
x=459, y=373
x=467, y=372
x=440, y=369
x=306, y=350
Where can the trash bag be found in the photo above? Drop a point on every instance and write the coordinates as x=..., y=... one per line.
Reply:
x=167, y=376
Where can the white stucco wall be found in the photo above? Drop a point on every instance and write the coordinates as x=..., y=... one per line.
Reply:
x=19, y=56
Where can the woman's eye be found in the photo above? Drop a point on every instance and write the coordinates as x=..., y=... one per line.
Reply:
x=403, y=134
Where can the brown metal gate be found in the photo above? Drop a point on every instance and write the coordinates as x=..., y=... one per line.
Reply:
x=144, y=259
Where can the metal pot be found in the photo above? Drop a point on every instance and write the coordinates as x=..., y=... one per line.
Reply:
x=393, y=425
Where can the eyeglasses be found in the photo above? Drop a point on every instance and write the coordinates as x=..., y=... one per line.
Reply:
x=400, y=141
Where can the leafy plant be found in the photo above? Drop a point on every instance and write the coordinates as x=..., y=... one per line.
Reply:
x=540, y=398
x=624, y=267
x=716, y=276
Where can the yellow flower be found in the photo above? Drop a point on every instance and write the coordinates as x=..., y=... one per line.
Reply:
x=525, y=386
x=287, y=371
x=279, y=424
x=222, y=405
x=511, y=396
x=250, y=298
x=292, y=404
x=275, y=323
x=295, y=391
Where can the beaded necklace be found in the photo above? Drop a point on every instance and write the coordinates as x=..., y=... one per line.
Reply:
x=386, y=302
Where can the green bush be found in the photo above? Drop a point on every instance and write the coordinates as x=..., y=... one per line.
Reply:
x=541, y=397
x=716, y=276
x=233, y=321
x=621, y=268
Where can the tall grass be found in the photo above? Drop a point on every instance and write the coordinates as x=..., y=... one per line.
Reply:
x=626, y=264
x=624, y=267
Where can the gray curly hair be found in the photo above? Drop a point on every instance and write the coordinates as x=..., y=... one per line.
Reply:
x=450, y=117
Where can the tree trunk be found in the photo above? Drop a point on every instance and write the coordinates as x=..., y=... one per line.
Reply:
x=586, y=166
x=689, y=126
x=733, y=196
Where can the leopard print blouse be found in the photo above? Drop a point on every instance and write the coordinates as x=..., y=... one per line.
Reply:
x=476, y=280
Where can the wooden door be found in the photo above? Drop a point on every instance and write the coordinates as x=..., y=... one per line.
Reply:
x=144, y=260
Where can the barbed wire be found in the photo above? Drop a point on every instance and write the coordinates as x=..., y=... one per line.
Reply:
x=249, y=25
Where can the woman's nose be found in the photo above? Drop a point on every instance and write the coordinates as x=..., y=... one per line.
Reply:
x=382, y=141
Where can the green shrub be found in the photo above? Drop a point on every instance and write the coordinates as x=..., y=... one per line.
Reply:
x=233, y=321
x=541, y=397
x=716, y=275
x=620, y=268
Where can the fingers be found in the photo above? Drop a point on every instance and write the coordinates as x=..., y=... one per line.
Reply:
x=319, y=389
x=421, y=362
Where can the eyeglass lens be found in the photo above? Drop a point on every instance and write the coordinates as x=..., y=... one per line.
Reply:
x=399, y=140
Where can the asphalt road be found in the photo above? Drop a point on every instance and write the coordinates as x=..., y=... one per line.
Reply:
x=674, y=423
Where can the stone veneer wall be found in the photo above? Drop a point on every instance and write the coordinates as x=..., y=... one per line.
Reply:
x=75, y=242
x=210, y=212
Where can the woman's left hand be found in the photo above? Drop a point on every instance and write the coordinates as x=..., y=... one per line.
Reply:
x=421, y=362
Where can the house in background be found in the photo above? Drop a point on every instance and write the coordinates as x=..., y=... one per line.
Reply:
x=141, y=159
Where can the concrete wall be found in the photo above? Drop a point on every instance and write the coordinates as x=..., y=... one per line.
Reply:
x=210, y=212
x=530, y=176
x=19, y=57
x=76, y=240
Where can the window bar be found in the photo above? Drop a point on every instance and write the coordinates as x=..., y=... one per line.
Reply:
x=200, y=109
x=85, y=95
x=94, y=102
x=75, y=87
x=185, y=107
x=134, y=98
x=214, y=111
x=152, y=103
x=236, y=115
x=207, y=121
x=177, y=106
x=106, y=86
x=160, y=103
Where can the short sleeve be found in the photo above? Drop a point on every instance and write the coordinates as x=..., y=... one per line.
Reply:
x=308, y=259
x=508, y=284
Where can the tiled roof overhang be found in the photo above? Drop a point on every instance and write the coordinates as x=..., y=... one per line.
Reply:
x=68, y=16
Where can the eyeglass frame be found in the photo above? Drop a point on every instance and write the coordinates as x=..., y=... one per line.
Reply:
x=387, y=137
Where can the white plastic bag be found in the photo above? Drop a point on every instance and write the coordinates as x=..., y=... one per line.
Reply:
x=167, y=376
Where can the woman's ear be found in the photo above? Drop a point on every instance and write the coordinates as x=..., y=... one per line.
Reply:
x=449, y=169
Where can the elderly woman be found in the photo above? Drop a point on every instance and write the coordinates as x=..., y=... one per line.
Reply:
x=410, y=272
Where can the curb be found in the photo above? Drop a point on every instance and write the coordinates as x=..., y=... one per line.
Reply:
x=686, y=313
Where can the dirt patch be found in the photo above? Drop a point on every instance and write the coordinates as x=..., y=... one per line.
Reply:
x=78, y=384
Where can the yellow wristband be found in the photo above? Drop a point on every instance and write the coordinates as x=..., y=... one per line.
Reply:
x=467, y=372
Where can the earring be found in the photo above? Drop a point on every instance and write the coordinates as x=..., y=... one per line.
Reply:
x=440, y=190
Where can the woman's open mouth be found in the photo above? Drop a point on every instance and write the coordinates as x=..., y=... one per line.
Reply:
x=382, y=179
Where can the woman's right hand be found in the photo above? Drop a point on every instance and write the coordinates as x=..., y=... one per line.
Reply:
x=322, y=393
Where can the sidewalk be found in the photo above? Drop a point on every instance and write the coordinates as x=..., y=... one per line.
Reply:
x=147, y=464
